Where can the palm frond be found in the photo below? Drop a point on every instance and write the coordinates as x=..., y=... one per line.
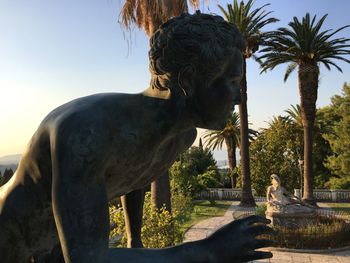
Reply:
x=249, y=22
x=215, y=139
x=257, y=59
x=150, y=14
x=291, y=67
x=304, y=42
x=294, y=114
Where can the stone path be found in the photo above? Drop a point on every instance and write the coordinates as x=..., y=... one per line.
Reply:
x=208, y=226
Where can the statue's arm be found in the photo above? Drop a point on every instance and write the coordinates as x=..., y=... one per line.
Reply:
x=185, y=253
x=268, y=194
x=235, y=242
x=80, y=209
x=81, y=214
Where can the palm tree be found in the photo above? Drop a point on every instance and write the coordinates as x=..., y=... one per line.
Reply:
x=149, y=15
x=231, y=136
x=277, y=120
x=305, y=46
x=294, y=115
x=249, y=22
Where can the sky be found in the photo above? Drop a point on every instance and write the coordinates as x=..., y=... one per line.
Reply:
x=53, y=51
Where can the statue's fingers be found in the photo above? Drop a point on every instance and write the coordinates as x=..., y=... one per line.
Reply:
x=258, y=255
x=260, y=243
x=259, y=230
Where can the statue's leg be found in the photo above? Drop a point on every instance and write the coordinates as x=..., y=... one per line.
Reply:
x=133, y=208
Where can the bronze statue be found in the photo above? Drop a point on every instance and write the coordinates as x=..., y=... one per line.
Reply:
x=95, y=148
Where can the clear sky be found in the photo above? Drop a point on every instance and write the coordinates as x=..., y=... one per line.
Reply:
x=52, y=51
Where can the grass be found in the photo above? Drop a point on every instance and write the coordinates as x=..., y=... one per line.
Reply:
x=203, y=210
x=344, y=207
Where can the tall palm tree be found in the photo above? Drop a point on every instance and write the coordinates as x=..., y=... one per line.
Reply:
x=149, y=15
x=305, y=46
x=231, y=136
x=250, y=23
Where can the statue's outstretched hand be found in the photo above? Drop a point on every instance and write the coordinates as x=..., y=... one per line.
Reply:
x=237, y=241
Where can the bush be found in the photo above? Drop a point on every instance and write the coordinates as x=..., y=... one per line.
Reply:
x=118, y=232
x=160, y=228
x=261, y=209
x=210, y=179
x=182, y=207
x=321, y=234
x=194, y=171
x=338, y=183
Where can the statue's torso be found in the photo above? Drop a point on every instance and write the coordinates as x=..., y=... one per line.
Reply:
x=129, y=145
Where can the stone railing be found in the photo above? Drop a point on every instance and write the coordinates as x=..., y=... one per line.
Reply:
x=221, y=194
x=320, y=195
x=326, y=195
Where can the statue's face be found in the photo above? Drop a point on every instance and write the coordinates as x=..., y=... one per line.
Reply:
x=215, y=98
x=275, y=182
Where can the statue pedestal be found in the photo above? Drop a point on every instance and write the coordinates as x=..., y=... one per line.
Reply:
x=292, y=219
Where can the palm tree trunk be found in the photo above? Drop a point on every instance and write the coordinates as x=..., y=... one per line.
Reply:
x=247, y=195
x=308, y=85
x=231, y=157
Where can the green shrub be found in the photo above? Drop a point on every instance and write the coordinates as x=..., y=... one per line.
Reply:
x=160, y=228
x=118, y=232
x=182, y=207
x=261, y=209
x=322, y=233
x=339, y=183
x=210, y=179
x=194, y=171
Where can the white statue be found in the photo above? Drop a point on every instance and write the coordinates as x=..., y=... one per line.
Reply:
x=280, y=200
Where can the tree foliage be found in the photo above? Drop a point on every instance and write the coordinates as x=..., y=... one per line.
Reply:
x=194, y=171
x=6, y=176
x=276, y=150
x=339, y=139
x=321, y=148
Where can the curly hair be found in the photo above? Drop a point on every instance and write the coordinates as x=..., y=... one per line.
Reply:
x=200, y=40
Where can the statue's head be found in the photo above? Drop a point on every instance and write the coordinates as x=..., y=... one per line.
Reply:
x=275, y=179
x=199, y=59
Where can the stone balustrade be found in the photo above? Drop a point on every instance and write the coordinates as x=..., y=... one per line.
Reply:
x=321, y=195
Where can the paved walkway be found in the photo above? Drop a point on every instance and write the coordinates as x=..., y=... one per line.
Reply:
x=208, y=226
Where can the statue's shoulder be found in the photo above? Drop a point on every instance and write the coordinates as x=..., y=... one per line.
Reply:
x=87, y=107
